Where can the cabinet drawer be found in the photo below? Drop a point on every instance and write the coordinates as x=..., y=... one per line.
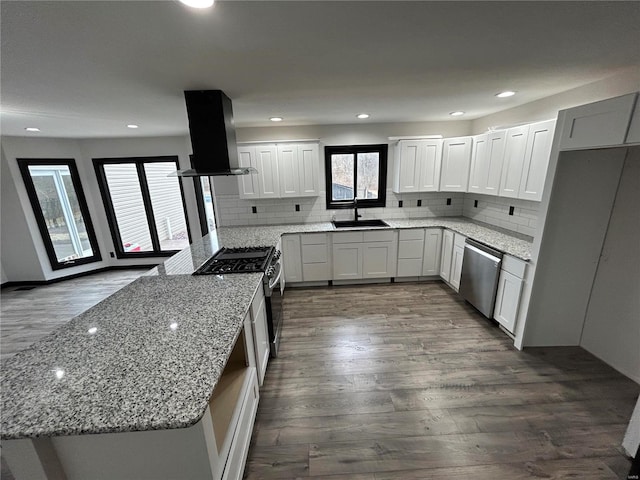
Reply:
x=411, y=249
x=411, y=234
x=514, y=266
x=380, y=236
x=313, y=239
x=348, y=237
x=459, y=240
x=314, y=254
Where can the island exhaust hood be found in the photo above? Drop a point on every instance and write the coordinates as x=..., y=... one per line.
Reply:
x=213, y=135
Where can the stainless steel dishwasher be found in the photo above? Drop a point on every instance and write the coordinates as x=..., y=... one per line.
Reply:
x=480, y=274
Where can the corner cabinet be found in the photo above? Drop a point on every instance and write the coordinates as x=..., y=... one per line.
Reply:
x=456, y=161
x=284, y=170
x=417, y=166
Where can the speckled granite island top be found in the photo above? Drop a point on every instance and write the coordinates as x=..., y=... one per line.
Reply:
x=150, y=356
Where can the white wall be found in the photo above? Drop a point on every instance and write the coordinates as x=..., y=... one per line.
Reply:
x=626, y=81
x=612, y=325
x=23, y=255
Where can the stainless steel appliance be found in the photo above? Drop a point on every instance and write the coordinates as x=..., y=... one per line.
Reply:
x=480, y=274
x=251, y=260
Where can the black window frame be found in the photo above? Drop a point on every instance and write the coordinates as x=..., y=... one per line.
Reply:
x=382, y=150
x=98, y=164
x=24, y=164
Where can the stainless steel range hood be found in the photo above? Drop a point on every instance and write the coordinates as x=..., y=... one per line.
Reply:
x=213, y=135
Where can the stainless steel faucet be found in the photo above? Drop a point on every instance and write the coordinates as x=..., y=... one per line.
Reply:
x=355, y=209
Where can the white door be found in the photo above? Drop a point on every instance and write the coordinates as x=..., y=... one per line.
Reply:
x=432, y=251
x=516, y=144
x=477, y=176
x=410, y=159
x=347, y=261
x=456, y=160
x=496, y=143
x=267, y=165
x=309, y=171
x=288, y=170
x=536, y=160
x=248, y=184
x=447, y=254
x=379, y=260
x=429, y=166
x=507, y=300
x=291, y=258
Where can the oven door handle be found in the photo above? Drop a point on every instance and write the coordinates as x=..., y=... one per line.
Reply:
x=274, y=281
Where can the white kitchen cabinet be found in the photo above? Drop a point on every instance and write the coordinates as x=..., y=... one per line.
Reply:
x=447, y=255
x=456, y=161
x=260, y=333
x=598, y=124
x=417, y=167
x=364, y=254
x=509, y=292
x=456, y=261
x=536, y=160
x=291, y=258
x=248, y=184
x=432, y=252
x=267, y=165
x=514, y=155
x=486, y=163
x=316, y=264
x=410, y=252
x=298, y=167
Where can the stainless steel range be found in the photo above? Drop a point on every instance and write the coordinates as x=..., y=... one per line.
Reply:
x=252, y=260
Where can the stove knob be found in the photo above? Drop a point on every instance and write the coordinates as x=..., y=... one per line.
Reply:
x=277, y=254
x=270, y=271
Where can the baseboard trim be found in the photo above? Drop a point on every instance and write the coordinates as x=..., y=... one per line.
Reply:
x=38, y=283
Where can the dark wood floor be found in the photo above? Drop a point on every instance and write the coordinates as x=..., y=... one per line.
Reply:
x=407, y=381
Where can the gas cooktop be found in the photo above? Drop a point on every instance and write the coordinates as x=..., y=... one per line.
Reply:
x=237, y=260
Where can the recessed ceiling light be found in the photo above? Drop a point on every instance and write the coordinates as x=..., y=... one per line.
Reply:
x=456, y=114
x=362, y=116
x=197, y=3
x=32, y=129
x=506, y=94
x=132, y=125
x=276, y=119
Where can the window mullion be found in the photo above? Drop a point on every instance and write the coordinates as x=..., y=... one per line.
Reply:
x=146, y=198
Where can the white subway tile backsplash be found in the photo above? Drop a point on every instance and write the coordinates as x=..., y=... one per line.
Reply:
x=495, y=211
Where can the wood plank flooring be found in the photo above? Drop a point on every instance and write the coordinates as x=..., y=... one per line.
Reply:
x=407, y=381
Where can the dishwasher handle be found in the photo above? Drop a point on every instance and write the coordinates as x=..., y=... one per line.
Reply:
x=483, y=250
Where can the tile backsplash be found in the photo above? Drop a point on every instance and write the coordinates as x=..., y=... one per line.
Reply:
x=232, y=210
x=495, y=211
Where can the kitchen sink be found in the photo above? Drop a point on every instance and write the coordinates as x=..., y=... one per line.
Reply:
x=359, y=223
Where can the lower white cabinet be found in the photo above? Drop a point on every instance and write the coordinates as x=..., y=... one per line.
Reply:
x=456, y=261
x=260, y=333
x=509, y=291
x=447, y=255
x=432, y=252
x=291, y=258
x=315, y=257
x=364, y=254
x=410, y=252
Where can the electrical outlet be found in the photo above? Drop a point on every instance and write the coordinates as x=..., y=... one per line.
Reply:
x=419, y=203
x=112, y=255
x=400, y=204
x=475, y=204
x=254, y=209
x=511, y=210
x=448, y=201
x=297, y=208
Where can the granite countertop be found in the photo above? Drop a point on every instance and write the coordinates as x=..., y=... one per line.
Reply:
x=149, y=356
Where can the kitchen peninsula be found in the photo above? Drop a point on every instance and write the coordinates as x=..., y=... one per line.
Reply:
x=142, y=371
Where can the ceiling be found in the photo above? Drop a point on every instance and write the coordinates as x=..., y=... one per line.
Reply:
x=86, y=69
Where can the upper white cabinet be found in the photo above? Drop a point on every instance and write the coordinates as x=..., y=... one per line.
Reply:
x=536, y=160
x=417, y=167
x=599, y=124
x=486, y=162
x=299, y=170
x=514, y=153
x=284, y=170
x=456, y=161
